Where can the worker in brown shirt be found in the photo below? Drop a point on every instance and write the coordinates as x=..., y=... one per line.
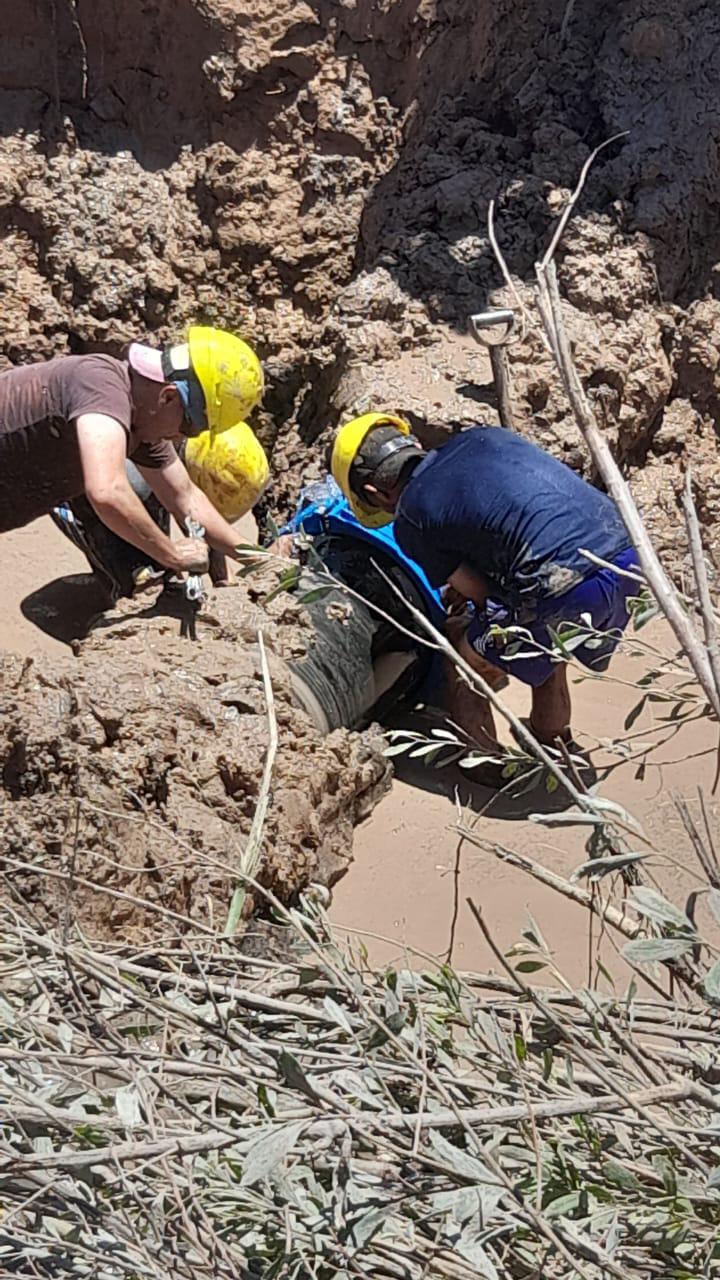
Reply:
x=68, y=425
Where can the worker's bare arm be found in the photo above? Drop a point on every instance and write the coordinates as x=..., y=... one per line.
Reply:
x=469, y=584
x=173, y=487
x=102, y=444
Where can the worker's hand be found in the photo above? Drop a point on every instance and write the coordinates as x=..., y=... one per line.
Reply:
x=454, y=601
x=456, y=628
x=283, y=546
x=190, y=556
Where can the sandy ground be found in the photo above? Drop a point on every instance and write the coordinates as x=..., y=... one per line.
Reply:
x=412, y=873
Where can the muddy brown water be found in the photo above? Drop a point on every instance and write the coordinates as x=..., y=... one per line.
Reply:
x=407, y=888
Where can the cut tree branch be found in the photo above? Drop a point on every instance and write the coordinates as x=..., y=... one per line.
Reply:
x=667, y=597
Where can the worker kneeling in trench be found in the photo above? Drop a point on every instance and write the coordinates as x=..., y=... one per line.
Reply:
x=69, y=426
x=503, y=526
x=229, y=467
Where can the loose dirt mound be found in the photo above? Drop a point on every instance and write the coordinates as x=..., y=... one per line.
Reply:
x=138, y=769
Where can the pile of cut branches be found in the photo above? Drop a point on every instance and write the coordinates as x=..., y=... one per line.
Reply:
x=192, y=1112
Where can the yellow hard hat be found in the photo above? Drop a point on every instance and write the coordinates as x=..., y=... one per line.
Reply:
x=348, y=442
x=230, y=467
x=229, y=373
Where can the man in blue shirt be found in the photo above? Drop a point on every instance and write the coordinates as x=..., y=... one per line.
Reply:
x=504, y=525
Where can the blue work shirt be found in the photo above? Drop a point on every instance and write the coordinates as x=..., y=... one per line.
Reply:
x=512, y=512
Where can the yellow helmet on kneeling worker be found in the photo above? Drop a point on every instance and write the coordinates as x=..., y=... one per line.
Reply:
x=218, y=376
x=371, y=449
x=230, y=467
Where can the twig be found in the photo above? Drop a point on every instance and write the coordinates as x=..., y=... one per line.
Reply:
x=251, y=854
x=707, y=611
x=73, y=6
x=579, y=1106
x=665, y=593
x=566, y=1030
x=575, y=197
x=499, y=258
x=604, y=910
x=184, y=1145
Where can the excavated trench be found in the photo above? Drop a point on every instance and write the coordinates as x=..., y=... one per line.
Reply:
x=316, y=175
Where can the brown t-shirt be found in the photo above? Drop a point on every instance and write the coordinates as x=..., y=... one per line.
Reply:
x=40, y=404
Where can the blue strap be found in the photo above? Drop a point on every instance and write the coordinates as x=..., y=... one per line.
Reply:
x=337, y=518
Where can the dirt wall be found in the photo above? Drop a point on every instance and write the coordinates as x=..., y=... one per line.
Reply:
x=317, y=174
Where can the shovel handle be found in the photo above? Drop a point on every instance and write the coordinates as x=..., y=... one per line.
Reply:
x=490, y=320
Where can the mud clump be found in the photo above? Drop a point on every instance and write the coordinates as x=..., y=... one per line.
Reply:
x=130, y=777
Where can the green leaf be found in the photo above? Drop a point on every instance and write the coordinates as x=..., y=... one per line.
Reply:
x=711, y=982
x=288, y=579
x=472, y=762
x=458, y=1160
x=269, y=1151
x=650, y=950
x=563, y=1205
x=317, y=593
x=429, y=749
x=293, y=1074
x=570, y=818
x=397, y=748
x=616, y=1173
x=337, y=1013
x=650, y=903
x=596, y=868
x=264, y=1100
x=364, y=1229
x=529, y=966
x=632, y=715
x=551, y=783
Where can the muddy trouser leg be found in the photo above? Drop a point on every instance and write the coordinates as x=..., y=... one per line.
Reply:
x=114, y=560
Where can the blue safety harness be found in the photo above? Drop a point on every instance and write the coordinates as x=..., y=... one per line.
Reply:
x=331, y=515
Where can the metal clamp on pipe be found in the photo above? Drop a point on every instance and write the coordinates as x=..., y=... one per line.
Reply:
x=194, y=589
